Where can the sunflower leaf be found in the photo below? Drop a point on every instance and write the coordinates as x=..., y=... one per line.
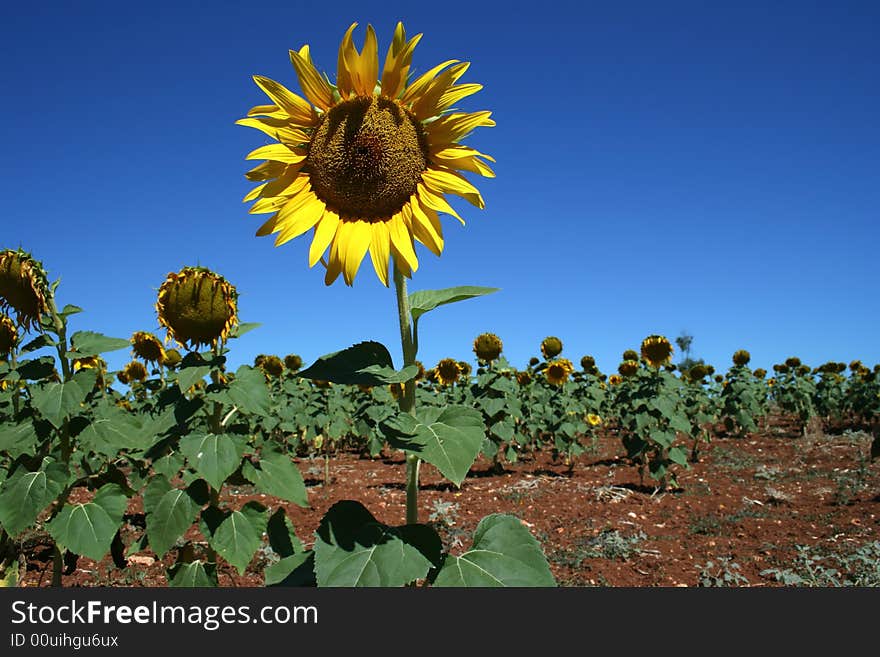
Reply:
x=366, y=363
x=89, y=343
x=426, y=300
x=241, y=329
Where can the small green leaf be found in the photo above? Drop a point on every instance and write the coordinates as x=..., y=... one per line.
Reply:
x=504, y=553
x=189, y=376
x=44, y=340
x=213, y=457
x=89, y=343
x=241, y=329
x=239, y=536
x=352, y=548
x=296, y=570
x=678, y=455
x=426, y=300
x=248, y=391
x=192, y=575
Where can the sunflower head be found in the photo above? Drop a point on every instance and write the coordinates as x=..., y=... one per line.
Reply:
x=594, y=420
x=697, y=372
x=272, y=366
x=8, y=335
x=630, y=354
x=771, y=382
x=718, y=378
x=710, y=370
x=614, y=379
x=551, y=347
x=487, y=347
x=588, y=363
x=656, y=350
x=628, y=368
x=421, y=373
x=89, y=363
x=197, y=307
x=293, y=362
x=172, y=358
x=558, y=371
x=523, y=378
x=781, y=368
x=24, y=287
x=122, y=377
x=802, y=370
x=760, y=373
x=365, y=163
x=741, y=357
x=147, y=346
x=135, y=371
x=448, y=371
x=534, y=361
x=855, y=365
x=465, y=369
x=793, y=362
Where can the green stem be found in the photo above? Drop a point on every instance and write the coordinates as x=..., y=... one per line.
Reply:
x=408, y=398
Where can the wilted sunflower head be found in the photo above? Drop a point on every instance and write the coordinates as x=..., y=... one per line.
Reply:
x=365, y=162
x=448, y=371
x=594, y=420
x=523, y=378
x=558, y=371
x=628, y=368
x=793, y=362
x=630, y=354
x=656, y=350
x=781, y=368
x=718, y=378
x=588, y=363
x=135, y=371
x=741, y=357
x=802, y=370
x=710, y=370
x=421, y=373
x=614, y=379
x=487, y=347
x=172, y=358
x=551, y=347
x=855, y=365
x=365, y=388
x=760, y=373
x=293, y=362
x=122, y=377
x=465, y=368
x=697, y=372
x=24, y=287
x=8, y=335
x=147, y=346
x=273, y=366
x=534, y=361
x=197, y=307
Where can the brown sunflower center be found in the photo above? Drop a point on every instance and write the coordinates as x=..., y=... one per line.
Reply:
x=366, y=157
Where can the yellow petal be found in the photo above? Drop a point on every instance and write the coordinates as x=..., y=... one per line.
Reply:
x=426, y=227
x=401, y=240
x=268, y=110
x=334, y=264
x=435, y=201
x=254, y=193
x=325, y=231
x=425, y=106
x=313, y=85
x=397, y=62
x=276, y=153
x=343, y=75
x=364, y=67
x=306, y=217
x=380, y=248
x=268, y=227
x=448, y=182
x=278, y=129
x=355, y=248
x=455, y=94
x=265, y=171
x=290, y=184
x=454, y=127
x=296, y=107
x=263, y=205
x=418, y=87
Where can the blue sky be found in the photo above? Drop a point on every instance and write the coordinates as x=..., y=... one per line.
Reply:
x=708, y=167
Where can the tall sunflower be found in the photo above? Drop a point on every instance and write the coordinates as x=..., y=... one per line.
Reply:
x=656, y=350
x=365, y=163
x=558, y=371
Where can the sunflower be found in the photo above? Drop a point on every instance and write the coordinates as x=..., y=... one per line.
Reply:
x=741, y=357
x=8, y=335
x=421, y=373
x=793, y=362
x=272, y=366
x=365, y=162
x=24, y=287
x=855, y=365
x=197, y=307
x=771, y=382
x=448, y=371
x=551, y=347
x=594, y=420
x=614, y=379
x=293, y=362
x=135, y=371
x=523, y=378
x=487, y=347
x=465, y=369
x=657, y=350
x=558, y=371
x=147, y=346
x=718, y=378
x=588, y=363
x=697, y=372
x=628, y=368
x=89, y=363
x=630, y=354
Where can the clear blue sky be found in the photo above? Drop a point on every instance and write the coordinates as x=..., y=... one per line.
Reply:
x=709, y=167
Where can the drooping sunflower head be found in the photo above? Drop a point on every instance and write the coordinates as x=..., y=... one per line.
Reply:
x=135, y=371
x=558, y=371
x=147, y=346
x=365, y=163
x=718, y=378
x=273, y=366
x=855, y=365
x=551, y=347
x=122, y=377
x=630, y=354
x=741, y=357
x=793, y=362
x=697, y=372
x=24, y=287
x=448, y=371
x=465, y=369
x=293, y=362
x=802, y=370
x=594, y=420
x=421, y=373
x=172, y=358
x=656, y=350
x=197, y=307
x=614, y=379
x=534, y=361
x=487, y=347
x=760, y=373
x=8, y=335
x=523, y=378
x=588, y=363
x=781, y=368
x=628, y=368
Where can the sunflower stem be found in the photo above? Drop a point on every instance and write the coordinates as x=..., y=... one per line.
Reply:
x=408, y=398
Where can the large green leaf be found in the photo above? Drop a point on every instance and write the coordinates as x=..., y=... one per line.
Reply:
x=58, y=401
x=43, y=340
x=504, y=553
x=278, y=476
x=448, y=438
x=170, y=512
x=88, y=529
x=366, y=363
x=239, y=536
x=25, y=494
x=213, y=456
x=188, y=376
x=192, y=575
x=249, y=392
x=37, y=369
x=352, y=548
x=89, y=343
x=426, y=300
x=18, y=439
